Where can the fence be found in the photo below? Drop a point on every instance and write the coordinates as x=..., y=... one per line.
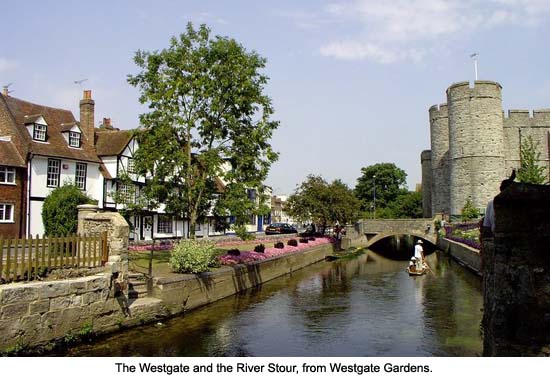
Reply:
x=31, y=258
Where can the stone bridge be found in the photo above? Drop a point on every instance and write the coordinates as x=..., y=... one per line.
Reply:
x=370, y=231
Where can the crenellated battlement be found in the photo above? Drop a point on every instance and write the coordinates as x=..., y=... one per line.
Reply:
x=526, y=118
x=480, y=89
x=439, y=111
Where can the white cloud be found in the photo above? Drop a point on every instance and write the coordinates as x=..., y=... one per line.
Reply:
x=390, y=31
x=353, y=50
x=6, y=64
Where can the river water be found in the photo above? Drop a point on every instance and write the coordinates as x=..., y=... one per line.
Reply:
x=364, y=306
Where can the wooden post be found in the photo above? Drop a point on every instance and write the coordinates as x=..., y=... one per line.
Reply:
x=36, y=253
x=49, y=245
x=84, y=250
x=105, y=249
x=8, y=259
x=15, y=259
x=28, y=244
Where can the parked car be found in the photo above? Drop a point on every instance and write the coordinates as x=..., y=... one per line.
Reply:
x=277, y=228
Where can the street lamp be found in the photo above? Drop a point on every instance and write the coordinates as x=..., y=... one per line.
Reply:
x=374, y=196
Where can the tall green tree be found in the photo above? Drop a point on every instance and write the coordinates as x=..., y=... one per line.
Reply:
x=323, y=203
x=385, y=179
x=407, y=205
x=208, y=118
x=530, y=171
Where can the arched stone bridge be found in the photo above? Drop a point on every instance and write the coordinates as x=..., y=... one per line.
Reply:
x=374, y=230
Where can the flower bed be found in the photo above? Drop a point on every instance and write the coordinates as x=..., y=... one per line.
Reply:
x=465, y=233
x=250, y=256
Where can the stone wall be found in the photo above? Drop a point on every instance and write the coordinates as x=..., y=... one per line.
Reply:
x=41, y=313
x=516, y=282
x=181, y=293
x=466, y=256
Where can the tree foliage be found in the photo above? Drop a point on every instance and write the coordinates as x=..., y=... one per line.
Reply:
x=469, y=212
x=530, y=171
x=407, y=205
x=59, y=212
x=323, y=203
x=385, y=180
x=208, y=119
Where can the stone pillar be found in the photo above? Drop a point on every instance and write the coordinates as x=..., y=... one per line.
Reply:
x=83, y=211
x=516, y=274
x=90, y=221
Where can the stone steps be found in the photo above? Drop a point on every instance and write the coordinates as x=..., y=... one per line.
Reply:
x=137, y=286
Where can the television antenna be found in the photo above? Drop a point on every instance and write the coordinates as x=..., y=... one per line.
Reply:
x=6, y=89
x=474, y=56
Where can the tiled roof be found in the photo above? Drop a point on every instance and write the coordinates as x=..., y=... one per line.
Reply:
x=112, y=142
x=56, y=145
x=9, y=156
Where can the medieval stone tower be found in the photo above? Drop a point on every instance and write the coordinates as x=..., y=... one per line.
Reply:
x=473, y=147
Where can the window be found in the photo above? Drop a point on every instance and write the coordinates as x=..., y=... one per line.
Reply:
x=7, y=175
x=39, y=132
x=80, y=175
x=127, y=192
x=164, y=224
x=74, y=139
x=131, y=167
x=6, y=213
x=54, y=166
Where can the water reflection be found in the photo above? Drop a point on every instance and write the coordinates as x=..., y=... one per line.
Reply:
x=364, y=306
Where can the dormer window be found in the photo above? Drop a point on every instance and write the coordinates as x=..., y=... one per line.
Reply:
x=39, y=132
x=74, y=139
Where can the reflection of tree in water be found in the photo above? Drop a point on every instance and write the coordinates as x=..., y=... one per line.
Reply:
x=456, y=315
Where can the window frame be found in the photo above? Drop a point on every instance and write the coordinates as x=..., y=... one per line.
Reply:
x=36, y=131
x=11, y=218
x=51, y=161
x=82, y=176
x=130, y=166
x=75, y=135
x=7, y=170
x=162, y=224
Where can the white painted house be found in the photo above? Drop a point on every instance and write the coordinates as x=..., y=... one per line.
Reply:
x=58, y=150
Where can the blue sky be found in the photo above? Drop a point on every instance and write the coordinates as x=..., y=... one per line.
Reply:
x=351, y=81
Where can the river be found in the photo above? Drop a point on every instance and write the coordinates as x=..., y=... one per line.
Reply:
x=364, y=306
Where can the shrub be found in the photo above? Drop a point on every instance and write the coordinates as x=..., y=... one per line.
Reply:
x=191, y=256
x=303, y=240
x=59, y=213
x=311, y=238
x=292, y=242
x=279, y=245
x=469, y=212
x=234, y=252
x=260, y=248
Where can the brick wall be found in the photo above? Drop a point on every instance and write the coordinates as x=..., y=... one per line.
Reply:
x=15, y=194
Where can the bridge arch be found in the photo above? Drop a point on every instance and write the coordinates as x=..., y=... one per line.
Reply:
x=379, y=229
x=384, y=235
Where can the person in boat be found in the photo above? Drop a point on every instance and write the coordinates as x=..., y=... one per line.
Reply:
x=417, y=261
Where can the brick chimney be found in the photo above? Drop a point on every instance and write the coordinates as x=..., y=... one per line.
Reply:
x=5, y=91
x=87, y=106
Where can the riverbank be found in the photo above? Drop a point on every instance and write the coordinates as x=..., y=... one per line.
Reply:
x=466, y=256
x=37, y=316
